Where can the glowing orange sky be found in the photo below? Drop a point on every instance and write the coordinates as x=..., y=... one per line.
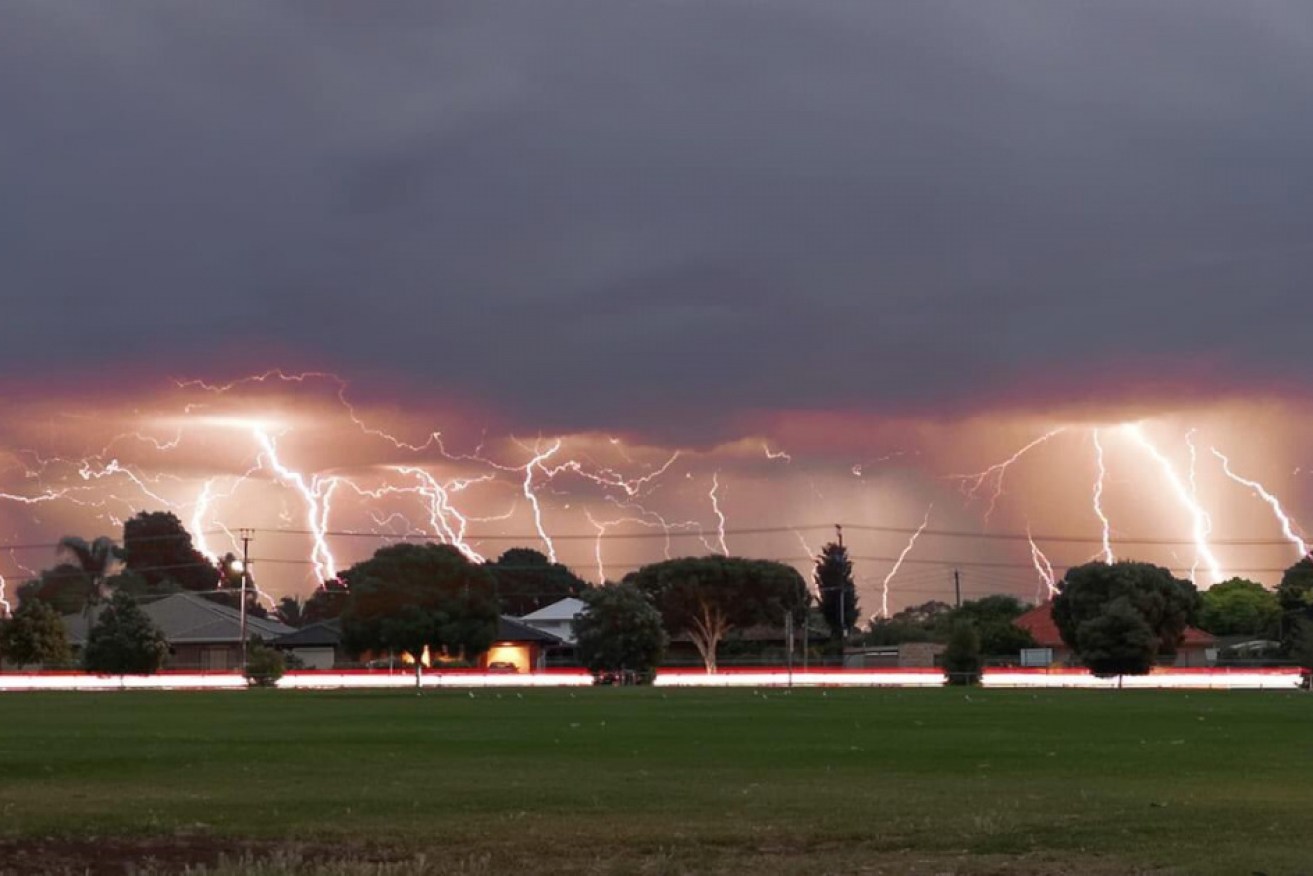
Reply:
x=72, y=465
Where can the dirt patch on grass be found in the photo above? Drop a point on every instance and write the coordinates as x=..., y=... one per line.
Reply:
x=217, y=856
x=130, y=856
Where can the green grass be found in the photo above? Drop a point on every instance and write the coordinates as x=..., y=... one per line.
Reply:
x=621, y=780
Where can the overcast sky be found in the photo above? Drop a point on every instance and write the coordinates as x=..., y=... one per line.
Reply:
x=609, y=214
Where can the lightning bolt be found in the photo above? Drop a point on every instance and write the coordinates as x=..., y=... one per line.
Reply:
x=777, y=454
x=973, y=483
x=317, y=505
x=898, y=563
x=1104, y=525
x=720, y=515
x=1287, y=525
x=1202, y=525
x=442, y=511
x=1043, y=568
x=537, y=463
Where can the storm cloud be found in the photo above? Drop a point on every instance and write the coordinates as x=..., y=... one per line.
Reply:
x=632, y=215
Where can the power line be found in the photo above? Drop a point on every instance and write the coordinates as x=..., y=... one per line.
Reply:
x=675, y=533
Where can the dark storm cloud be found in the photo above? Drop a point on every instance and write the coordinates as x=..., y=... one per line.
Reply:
x=609, y=213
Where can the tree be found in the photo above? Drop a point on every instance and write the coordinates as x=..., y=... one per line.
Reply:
x=526, y=580
x=408, y=597
x=65, y=588
x=34, y=634
x=962, y=656
x=838, y=593
x=291, y=611
x=1239, y=607
x=124, y=641
x=1295, y=598
x=620, y=632
x=927, y=622
x=1295, y=592
x=1117, y=641
x=706, y=597
x=1097, y=603
x=95, y=558
x=325, y=603
x=264, y=665
x=138, y=587
x=992, y=617
x=158, y=547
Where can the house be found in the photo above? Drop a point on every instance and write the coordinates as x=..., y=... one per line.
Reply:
x=317, y=645
x=557, y=618
x=517, y=648
x=202, y=635
x=1193, y=651
x=520, y=647
x=907, y=655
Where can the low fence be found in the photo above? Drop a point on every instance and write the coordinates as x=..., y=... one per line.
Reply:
x=1164, y=678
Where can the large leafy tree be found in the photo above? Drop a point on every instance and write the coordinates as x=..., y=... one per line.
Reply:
x=838, y=593
x=1102, y=611
x=34, y=634
x=1296, y=588
x=124, y=641
x=992, y=618
x=409, y=596
x=706, y=597
x=1295, y=597
x=159, y=548
x=326, y=603
x=1239, y=607
x=526, y=580
x=620, y=632
x=65, y=588
x=95, y=558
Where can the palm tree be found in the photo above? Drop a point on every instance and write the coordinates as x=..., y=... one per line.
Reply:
x=95, y=558
x=291, y=611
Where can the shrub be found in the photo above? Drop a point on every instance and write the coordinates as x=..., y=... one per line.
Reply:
x=264, y=665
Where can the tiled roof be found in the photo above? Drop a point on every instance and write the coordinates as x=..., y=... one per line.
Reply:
x=1039, y=623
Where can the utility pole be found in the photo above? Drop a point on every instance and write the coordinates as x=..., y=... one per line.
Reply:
x=957, y=587
x=247, y=535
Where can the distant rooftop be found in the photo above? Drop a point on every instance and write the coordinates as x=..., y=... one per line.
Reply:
x=562, y=610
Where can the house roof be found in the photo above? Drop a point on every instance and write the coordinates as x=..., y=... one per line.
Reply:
x=1039, y=623
x=562, y=610
x=511, y=630
x=325, y=633
x=187, y=619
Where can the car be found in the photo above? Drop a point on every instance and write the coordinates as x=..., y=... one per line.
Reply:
x=502, y=666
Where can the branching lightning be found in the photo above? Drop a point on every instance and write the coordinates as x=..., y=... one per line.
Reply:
x=1202, y=525
x=1287, y=525
x=994, y=475
x=1048, y=580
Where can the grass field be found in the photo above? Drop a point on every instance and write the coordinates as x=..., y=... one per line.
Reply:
x=625, y=780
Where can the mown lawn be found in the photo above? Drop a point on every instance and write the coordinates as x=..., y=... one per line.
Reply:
x=625, y=780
